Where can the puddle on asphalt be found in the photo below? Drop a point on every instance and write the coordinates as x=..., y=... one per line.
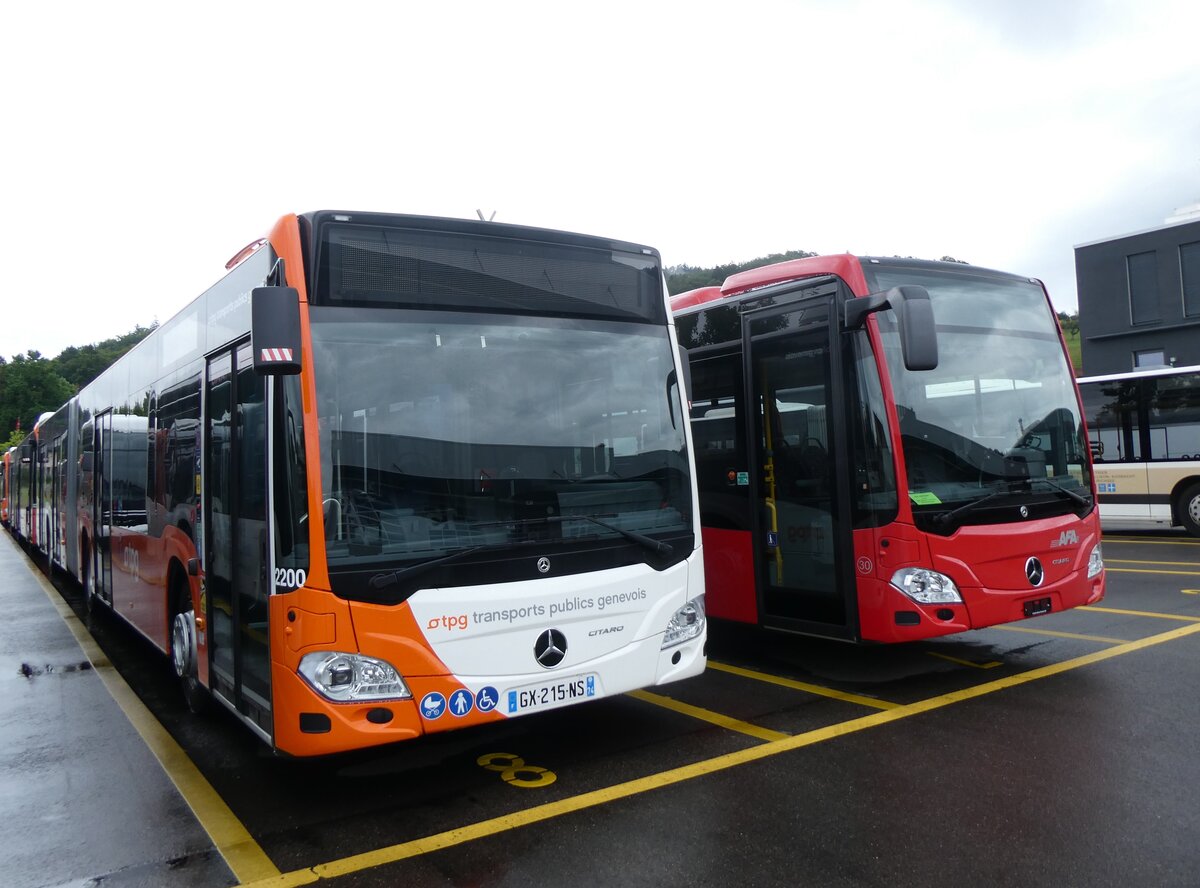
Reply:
x=29, y=671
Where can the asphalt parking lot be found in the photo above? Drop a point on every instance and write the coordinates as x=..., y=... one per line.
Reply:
x=1057, y=751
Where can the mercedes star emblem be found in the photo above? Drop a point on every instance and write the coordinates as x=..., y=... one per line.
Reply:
x=1034, y=572
x=543, y=565
x=550, y=648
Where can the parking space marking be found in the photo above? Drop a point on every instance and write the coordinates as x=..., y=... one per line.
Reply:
x=961, y=662
x=1074, y=635
x=1173, y=573
x=550, y=810
x=708, y=715
x=1132, y=613
x=229, y=836
x=1159, y=563
x=803, y=686
x=1140, y=542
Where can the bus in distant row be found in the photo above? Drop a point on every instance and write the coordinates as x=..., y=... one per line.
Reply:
x=887, y=449
x=1144, y=429
x=392, y=475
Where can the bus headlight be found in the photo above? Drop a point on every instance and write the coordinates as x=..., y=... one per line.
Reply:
x=686, y=623
x=926, y=586
x=352, y=678
x=1095, y=562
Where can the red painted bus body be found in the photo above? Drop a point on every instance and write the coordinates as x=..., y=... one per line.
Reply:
x=845, y=495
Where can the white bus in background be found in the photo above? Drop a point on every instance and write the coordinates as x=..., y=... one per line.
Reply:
x=1144, y=429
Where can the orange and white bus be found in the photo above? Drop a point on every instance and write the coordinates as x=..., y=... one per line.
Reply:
x=394, y=475
x=1144, y=429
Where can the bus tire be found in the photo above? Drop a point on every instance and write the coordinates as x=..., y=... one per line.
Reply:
x=184, y=651
x=1189, y=509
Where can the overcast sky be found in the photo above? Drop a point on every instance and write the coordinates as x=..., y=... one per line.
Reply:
x=145, y=144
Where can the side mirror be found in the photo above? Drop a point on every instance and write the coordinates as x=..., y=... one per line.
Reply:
x=914, y=320
x=685, y=367
x=275, y=330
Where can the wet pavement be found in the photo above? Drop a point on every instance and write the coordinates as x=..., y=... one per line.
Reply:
x=1058, y=751
x=82, y=799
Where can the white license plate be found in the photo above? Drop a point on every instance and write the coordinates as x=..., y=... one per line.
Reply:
x=549, y=694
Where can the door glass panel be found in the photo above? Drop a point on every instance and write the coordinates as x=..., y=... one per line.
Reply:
x=250, y=576
x=237, y=568
x=791, y=389
x=219, y=521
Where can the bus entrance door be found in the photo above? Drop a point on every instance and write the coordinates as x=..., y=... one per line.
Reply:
x=801, y=528
x=103, y=498
x=235, y=535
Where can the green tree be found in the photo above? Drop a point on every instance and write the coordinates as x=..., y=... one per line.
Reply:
x=30, y=385
x=681, y=278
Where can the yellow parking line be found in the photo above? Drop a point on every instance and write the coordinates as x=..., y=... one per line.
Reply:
x=1188, y=542
x=709, y=716
x=1101, y=638
x=1159, y=563
x=802, y=686
x=1132, y=613
x=1173, y=573
x=990, y=665
x=549, y=810
x=229, y=836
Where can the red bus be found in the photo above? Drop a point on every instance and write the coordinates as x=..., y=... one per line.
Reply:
x=5, y=471
x=887, y=449
x=392, y=475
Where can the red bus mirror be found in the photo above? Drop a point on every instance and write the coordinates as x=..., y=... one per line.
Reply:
x=275, y=330
x=914, y=322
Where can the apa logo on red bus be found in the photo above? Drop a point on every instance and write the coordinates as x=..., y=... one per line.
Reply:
x=1066, y=538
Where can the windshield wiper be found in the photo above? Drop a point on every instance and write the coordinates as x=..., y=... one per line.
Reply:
x=945, y=519
x=390, y=578
x=658, y=547
x=1078, y=497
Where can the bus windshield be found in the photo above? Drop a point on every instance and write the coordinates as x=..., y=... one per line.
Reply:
x=998, y=421
x=447, y=431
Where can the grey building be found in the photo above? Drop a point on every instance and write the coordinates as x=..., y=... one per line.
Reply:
x=1139, y=298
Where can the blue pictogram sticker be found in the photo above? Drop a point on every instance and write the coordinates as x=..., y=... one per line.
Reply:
x=433, y=705
x=487, y=698
x=772, y=539
x=512, y=701
x=591, y=685
x=461, y=702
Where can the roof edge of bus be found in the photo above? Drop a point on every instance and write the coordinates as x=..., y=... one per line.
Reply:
x=844, y=265
x=698, y=296
x=503, y=229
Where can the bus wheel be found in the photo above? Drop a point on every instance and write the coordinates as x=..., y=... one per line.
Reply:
x=184, y=654
x=1189, y=509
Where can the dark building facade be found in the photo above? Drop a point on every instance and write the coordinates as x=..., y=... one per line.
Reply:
x=1139, y=300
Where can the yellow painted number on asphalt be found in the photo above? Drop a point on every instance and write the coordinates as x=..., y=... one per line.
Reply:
x=515, y=772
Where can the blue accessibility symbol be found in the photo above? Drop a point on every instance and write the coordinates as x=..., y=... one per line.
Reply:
x=433, y=705
x=487, y=698
x=461, y=702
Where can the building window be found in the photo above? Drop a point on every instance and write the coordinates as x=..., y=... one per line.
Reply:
x=1151, y=357
x=1189, y=271
x=1143, y=288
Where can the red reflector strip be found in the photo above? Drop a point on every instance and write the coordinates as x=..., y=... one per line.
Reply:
x=270, y=355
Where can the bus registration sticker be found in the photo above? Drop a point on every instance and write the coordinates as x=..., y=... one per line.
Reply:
x=551, y=694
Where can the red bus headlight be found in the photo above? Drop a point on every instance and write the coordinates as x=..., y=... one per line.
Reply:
x=926, y=586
